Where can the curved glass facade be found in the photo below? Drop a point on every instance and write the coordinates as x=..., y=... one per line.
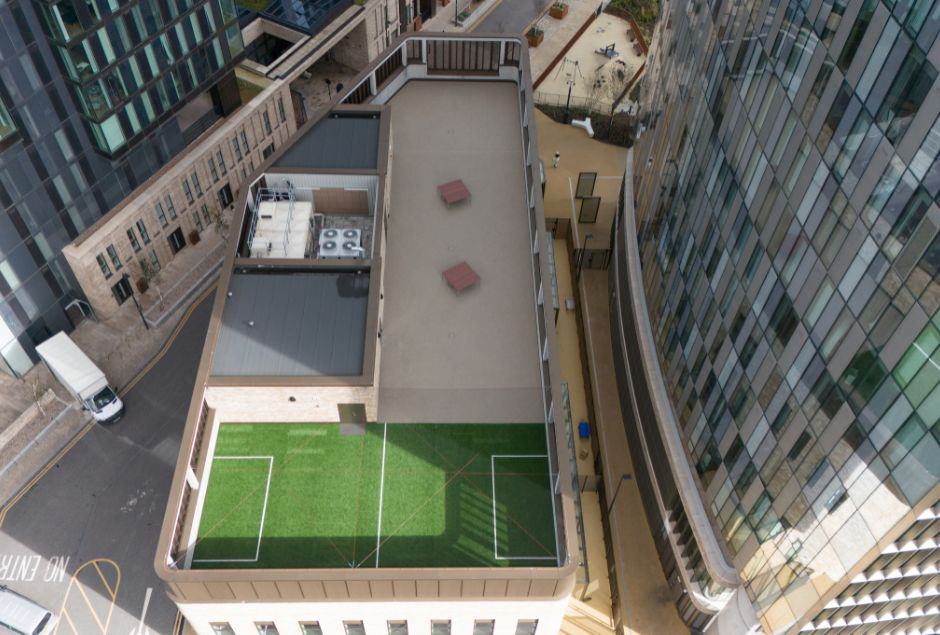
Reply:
x=786, y=190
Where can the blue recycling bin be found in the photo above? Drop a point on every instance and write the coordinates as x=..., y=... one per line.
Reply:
x=584, y=430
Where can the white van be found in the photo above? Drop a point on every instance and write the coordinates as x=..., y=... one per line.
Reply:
x=22, y=615
x=85, y=381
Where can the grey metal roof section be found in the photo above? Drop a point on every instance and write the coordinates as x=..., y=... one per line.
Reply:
x=339, y=142
x=293, y=324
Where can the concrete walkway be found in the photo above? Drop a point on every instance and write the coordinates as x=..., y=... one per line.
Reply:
x=120, y=346
x=642, y=592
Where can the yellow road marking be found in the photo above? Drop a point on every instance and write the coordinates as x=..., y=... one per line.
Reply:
x=58, y=457
x=91, y=608
x=103, y=580
x=166, y=346
x=71, y=624
x=111, y=594
x=143, y=371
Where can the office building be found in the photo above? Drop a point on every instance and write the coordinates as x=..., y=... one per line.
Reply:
x=95, y=98
x=776, y=313
x=374, y=441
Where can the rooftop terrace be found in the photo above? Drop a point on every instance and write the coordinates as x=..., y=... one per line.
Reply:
x=440, y=449
x=472, y=356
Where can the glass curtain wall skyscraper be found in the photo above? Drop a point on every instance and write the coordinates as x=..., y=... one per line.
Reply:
x=776, y=311
x=90, y=97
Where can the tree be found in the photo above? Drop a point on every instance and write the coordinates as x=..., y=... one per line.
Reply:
x=152, y=274
x=36, y=392
x=595, y=88
x=220, y=222
x=618, y=79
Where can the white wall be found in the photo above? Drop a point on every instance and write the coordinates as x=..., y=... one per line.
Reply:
x=374, y=615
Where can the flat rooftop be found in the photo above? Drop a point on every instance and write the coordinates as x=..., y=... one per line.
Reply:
x=454, y=471
x=293, y=323
x=473, y=356
x=340, y=141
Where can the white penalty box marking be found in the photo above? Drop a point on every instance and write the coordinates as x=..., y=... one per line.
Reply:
x=264, y=508
x=493, y=458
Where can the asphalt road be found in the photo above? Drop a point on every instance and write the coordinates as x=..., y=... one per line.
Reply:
x=512, y=16
x=81, y=542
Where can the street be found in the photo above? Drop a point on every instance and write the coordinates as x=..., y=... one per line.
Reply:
x=81, y=542
x=512, y=16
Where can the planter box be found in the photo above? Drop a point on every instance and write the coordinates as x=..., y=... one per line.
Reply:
x=193, y=237
x=535, y=39
x=142, y=285
x=558, y=11
x=444, y=3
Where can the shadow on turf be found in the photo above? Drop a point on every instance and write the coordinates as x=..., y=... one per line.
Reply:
x=466, y=539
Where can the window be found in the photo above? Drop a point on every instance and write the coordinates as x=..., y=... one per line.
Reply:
x=907, y=93
x=236, y=149
x=280, y=110
x=113, y=255
x=268, y=151
x=142, y=228
x=161, y=216
x=225, y=196
x=310, y=628
x=221, y=160
x=105, y=269
x=7, y=127
x=267, y=122
x=245, y=144
x=131, y=236
x=198, y=222
x=526, y=627
x=196, y=185
x=205, y=214
x=397, y=627
x=212, y=170
x=484, y=627
x=121, y=290
x=266, y=628
x=169, y=206
x=354, y=628
x=222, y=628
x=187, y=191
x=440, y=627
x=154, y=260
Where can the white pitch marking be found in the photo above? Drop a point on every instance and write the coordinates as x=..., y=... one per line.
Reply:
x=264, y=509
x=493, y=458
x=378, y=533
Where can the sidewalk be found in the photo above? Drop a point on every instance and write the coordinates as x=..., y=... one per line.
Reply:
x=642, y=592
x=120, y=346
x=444, y=19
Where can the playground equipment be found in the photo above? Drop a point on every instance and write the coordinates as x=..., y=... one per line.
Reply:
x=585, y=124
x=610, y=51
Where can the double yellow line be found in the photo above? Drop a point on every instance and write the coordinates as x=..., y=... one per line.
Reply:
x=88, y=427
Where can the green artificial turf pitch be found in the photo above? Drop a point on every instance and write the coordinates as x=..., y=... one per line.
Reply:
x=401, y=495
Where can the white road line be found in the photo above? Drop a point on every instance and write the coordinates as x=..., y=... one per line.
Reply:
x=493, y=458
x=378, y=532
x=264, y=508
x=141, y=629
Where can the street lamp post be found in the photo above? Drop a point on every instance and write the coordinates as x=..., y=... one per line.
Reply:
x=587, y=237
x=624, y=477
x=126, y=280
